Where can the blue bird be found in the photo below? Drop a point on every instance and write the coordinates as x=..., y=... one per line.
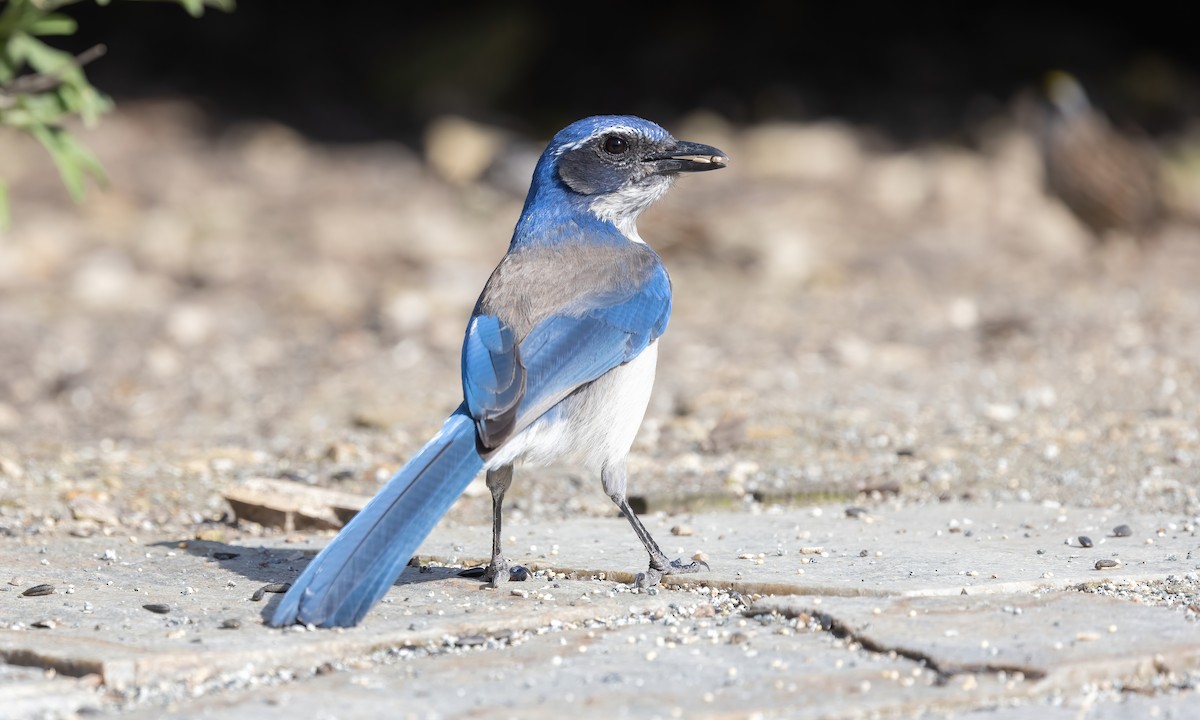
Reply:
x=557, y=363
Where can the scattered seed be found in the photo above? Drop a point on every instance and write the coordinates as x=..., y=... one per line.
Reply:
x=225, y=555
x=1085, y=541
x=230, y=624
x=1122, y=531
x=271, y=588
x=1107, y=564
x=38, y=590
x=159, y=608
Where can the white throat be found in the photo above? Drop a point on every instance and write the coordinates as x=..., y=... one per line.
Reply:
x=623, y=206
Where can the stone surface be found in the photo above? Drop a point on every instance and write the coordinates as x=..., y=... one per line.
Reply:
x=910, y=550
x=101, y=626
x=1059, y=640
x=888, y=631
x=37, y=693
x=685, y=669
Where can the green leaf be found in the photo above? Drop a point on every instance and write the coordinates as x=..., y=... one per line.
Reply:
x=195, y=8
x=73, y=161
x=92, y=104
x=53, y=25
x=40, y=56
x=84, y=158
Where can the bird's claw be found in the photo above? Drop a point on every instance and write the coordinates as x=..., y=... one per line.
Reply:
x=653, y=575
x=501, y=571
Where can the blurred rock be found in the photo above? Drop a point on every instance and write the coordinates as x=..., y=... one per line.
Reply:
x=290, y=506
x=104, y=279
x=818, y=153
x=407, y=311
x=9, y=468
x=189, y=324
x=898, y=185
x=85, y=507
x=108, y=280
x=728, y=434
x=275, y=157
x=460, y=150
x=9, y=418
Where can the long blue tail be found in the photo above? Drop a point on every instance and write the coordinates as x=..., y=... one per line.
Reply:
x=356, y=569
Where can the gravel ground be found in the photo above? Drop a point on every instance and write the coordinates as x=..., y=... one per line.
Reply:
x=852, y=320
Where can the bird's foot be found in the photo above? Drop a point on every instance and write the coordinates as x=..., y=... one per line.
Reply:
x=497, y=569
x=501, y=571
x=653, y=575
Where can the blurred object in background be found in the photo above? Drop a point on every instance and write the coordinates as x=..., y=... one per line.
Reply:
x=1110, y=181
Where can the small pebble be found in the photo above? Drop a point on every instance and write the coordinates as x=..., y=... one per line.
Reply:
x=225, y=555
x=271, y=588
x=1107, y=564
x=471, y=641
x=682, y=530
x=45, y=624
x=855, y=512
x=230, y=624
x=38, y=590
x=159, y=608
x=1085, y=541
x=1122, y=531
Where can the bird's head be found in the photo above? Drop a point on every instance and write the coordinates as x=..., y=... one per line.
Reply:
x=616, y=166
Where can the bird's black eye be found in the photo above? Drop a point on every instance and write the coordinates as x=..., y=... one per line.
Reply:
x=615, y=145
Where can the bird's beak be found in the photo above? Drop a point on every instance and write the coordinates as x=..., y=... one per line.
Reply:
x=684, y=156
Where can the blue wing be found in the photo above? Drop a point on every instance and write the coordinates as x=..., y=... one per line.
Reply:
x=565, y=351
x=560, y=353
x=493, y=377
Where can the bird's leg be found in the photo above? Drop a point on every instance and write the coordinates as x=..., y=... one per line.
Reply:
x=614, y=477
x=500, y=570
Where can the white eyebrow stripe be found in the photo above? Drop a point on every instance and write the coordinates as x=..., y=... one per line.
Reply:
x=623, y=129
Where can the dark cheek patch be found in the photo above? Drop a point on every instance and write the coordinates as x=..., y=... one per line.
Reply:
x=587, y=174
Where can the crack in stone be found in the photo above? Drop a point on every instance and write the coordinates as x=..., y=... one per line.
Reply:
x=840, y=629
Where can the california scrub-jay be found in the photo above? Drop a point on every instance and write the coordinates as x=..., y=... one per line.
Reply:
x=557, y=363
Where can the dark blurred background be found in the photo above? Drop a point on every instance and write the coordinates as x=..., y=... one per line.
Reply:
x=360, y=71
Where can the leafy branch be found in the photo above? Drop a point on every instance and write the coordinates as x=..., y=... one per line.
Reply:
x=42, y=87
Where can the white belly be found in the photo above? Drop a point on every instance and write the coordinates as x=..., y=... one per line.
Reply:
x=595, y=426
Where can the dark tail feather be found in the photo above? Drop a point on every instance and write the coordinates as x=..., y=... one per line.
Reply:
x=356, y=569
